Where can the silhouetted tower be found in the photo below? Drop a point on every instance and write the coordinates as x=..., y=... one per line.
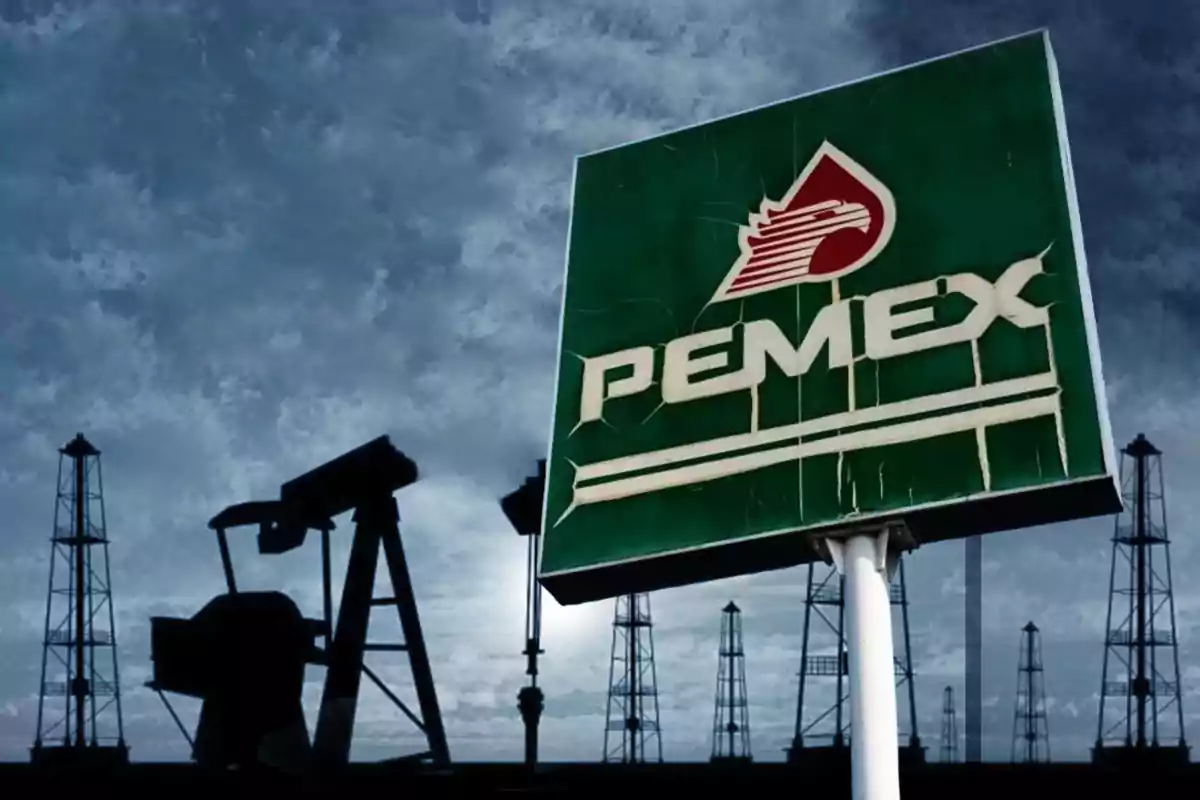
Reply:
x=829, y=726
x=1139, y=683
x=79, y=701
x=949, y=752
x=524, y=511
x=1031, y=733
x=731, y=715
x=632, y=686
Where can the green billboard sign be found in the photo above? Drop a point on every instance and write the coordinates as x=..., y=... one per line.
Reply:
x=864, y=305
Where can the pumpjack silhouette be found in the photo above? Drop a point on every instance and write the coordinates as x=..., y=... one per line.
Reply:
x=245, y=653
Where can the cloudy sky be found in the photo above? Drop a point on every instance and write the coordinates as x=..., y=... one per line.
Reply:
x=238, y=238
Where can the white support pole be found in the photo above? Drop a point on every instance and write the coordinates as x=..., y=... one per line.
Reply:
x=874, y=739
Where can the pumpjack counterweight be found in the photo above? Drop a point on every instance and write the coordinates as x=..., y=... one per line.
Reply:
x=78, y=645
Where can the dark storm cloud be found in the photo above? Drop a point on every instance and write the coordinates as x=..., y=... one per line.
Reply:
x=1129, y=79
x=241, y=237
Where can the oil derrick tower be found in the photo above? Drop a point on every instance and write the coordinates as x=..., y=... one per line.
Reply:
x=1140, y=698
x=731, y=715
x=823, y=731
x=79, y=702
x=1031, y=732
x=949, y=752
x=631, y=733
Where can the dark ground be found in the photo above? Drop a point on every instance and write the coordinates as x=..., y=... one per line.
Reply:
x=1071, y=781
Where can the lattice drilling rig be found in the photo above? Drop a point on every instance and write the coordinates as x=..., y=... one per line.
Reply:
x=1031, y=731
x=822, y=729
x=1139, y=683
x=949, y=749
x=731, y=713
x=89, y=729
x=632, y=686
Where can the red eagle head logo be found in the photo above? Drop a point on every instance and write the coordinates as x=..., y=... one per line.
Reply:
x=835, y=218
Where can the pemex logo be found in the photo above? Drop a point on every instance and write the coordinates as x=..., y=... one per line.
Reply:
x=835, y=219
